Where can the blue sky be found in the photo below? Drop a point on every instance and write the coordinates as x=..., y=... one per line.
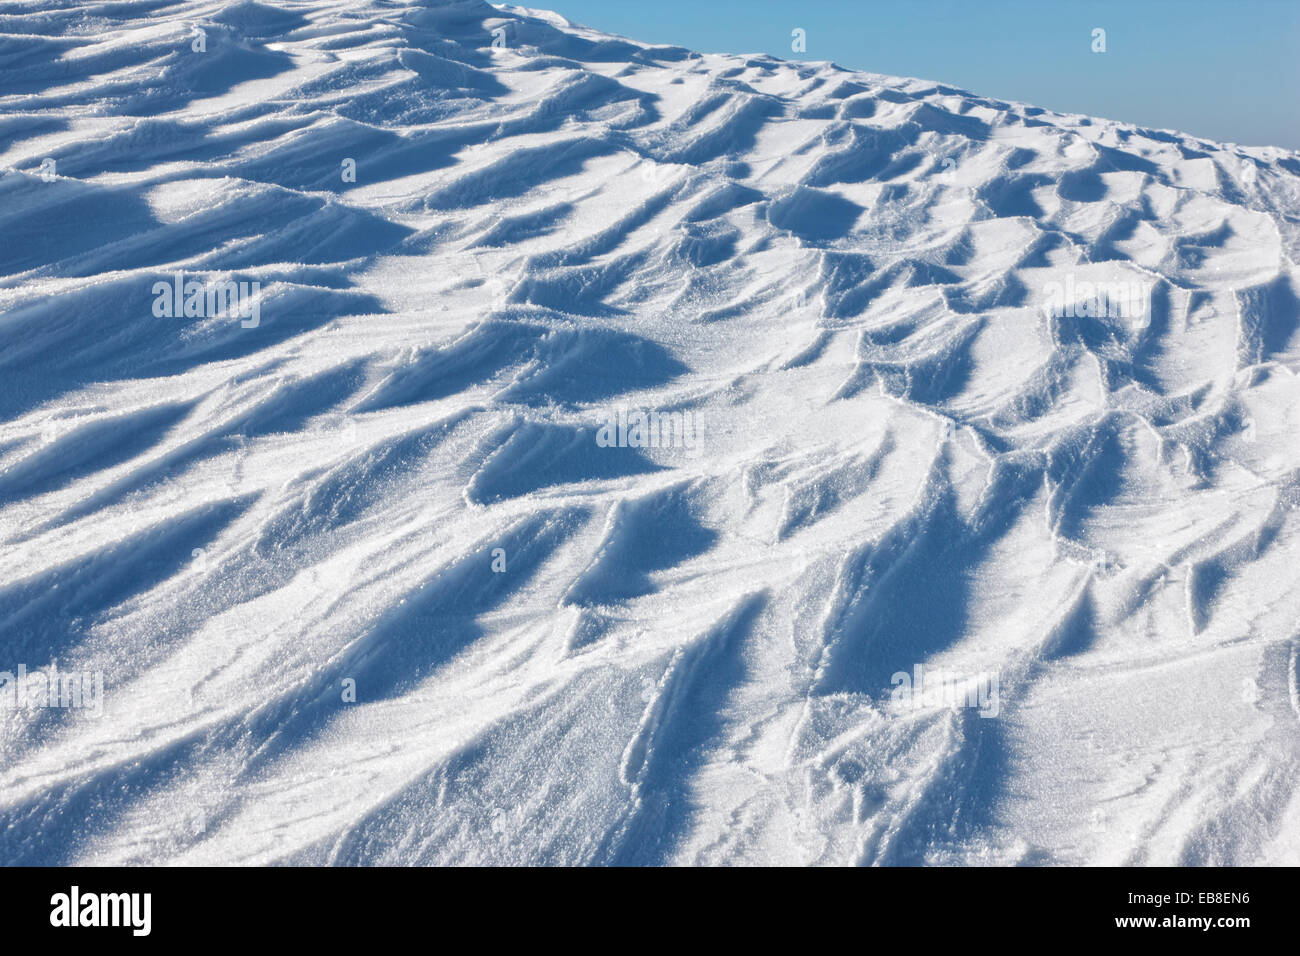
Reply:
x=1227, y=70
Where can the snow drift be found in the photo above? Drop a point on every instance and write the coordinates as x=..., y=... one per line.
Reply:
x=983, y=545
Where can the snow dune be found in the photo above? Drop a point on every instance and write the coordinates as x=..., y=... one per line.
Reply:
x=381, y=563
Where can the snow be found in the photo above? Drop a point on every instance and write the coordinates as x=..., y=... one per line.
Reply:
x=365, y=584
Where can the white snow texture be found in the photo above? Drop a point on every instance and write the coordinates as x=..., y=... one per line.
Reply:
x=967, y=530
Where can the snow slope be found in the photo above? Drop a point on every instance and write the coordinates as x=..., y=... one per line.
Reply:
x=395, y=479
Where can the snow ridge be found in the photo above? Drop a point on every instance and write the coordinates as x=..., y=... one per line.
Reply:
x=974, y=389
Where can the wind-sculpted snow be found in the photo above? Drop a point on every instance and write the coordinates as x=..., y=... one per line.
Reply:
x=451, y=435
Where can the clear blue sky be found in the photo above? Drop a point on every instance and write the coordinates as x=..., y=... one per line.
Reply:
x=1226, y=70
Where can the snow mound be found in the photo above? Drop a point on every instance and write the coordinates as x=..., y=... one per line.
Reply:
x=454, y=435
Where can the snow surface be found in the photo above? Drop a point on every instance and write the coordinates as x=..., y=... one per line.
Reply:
x=903, y=457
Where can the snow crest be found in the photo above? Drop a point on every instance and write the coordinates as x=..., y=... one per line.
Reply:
x=453, y=435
